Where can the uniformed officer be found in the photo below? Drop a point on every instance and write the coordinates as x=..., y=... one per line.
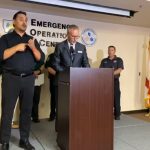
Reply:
x=19, y=53
x=52, y=85
x=112, y=61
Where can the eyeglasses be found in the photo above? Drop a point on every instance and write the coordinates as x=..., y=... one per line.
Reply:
x=75, y=37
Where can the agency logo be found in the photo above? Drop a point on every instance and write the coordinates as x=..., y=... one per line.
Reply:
x=88, y=37
x=8, y=25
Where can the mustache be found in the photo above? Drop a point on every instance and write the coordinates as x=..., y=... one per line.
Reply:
x=24, y=25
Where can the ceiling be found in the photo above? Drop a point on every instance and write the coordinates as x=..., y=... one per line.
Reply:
x=141, y=18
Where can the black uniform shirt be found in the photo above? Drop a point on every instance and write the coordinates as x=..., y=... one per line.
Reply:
x=49, y=63
x=115, y=63
x=20, y=62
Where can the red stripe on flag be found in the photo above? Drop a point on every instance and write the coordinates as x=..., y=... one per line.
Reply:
x=149, y=92
x=147, y=83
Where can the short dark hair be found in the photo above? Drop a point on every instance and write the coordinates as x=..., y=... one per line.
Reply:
x=17, y=13
x=73, y=26
x=111, y=46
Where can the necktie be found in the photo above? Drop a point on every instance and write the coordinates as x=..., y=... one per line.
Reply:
x=72, y=52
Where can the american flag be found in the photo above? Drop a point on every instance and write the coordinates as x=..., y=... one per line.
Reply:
x=147, y=80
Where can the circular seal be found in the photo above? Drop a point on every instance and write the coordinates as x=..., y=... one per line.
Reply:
x=8, y=25
x=88, y=37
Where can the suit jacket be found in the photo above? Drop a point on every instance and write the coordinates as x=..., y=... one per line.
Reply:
x=62, y=57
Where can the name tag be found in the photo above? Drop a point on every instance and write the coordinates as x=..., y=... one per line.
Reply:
x=80, y=52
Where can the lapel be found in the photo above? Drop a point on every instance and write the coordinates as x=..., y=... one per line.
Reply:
x=66, y=47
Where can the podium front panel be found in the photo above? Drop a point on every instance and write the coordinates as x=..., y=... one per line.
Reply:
x=88, y=104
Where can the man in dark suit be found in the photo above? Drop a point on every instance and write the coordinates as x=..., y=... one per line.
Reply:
x=69, y=53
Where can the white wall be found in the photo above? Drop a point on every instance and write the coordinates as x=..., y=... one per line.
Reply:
x=129, y=41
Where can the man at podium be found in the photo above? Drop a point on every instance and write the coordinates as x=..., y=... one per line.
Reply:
x=70, y=53
x=112, y=61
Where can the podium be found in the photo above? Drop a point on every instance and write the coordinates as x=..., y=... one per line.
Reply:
x=85, y=109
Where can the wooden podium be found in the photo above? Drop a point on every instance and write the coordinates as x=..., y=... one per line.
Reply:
x=85, y=109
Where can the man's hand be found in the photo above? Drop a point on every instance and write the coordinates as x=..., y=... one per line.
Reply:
x=35, y=51
x=21, y=47
x=36, y=73
x=118, y=71
x=31, y=44
x=11, y=51
x=51, y=71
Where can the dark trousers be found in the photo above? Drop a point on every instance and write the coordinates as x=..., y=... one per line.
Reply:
x=12, y=88
x=117, y=94
x=36, y=100
x=56, y=94
x=53, y=98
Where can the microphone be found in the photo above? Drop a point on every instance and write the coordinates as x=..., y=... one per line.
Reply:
x=72, y=51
